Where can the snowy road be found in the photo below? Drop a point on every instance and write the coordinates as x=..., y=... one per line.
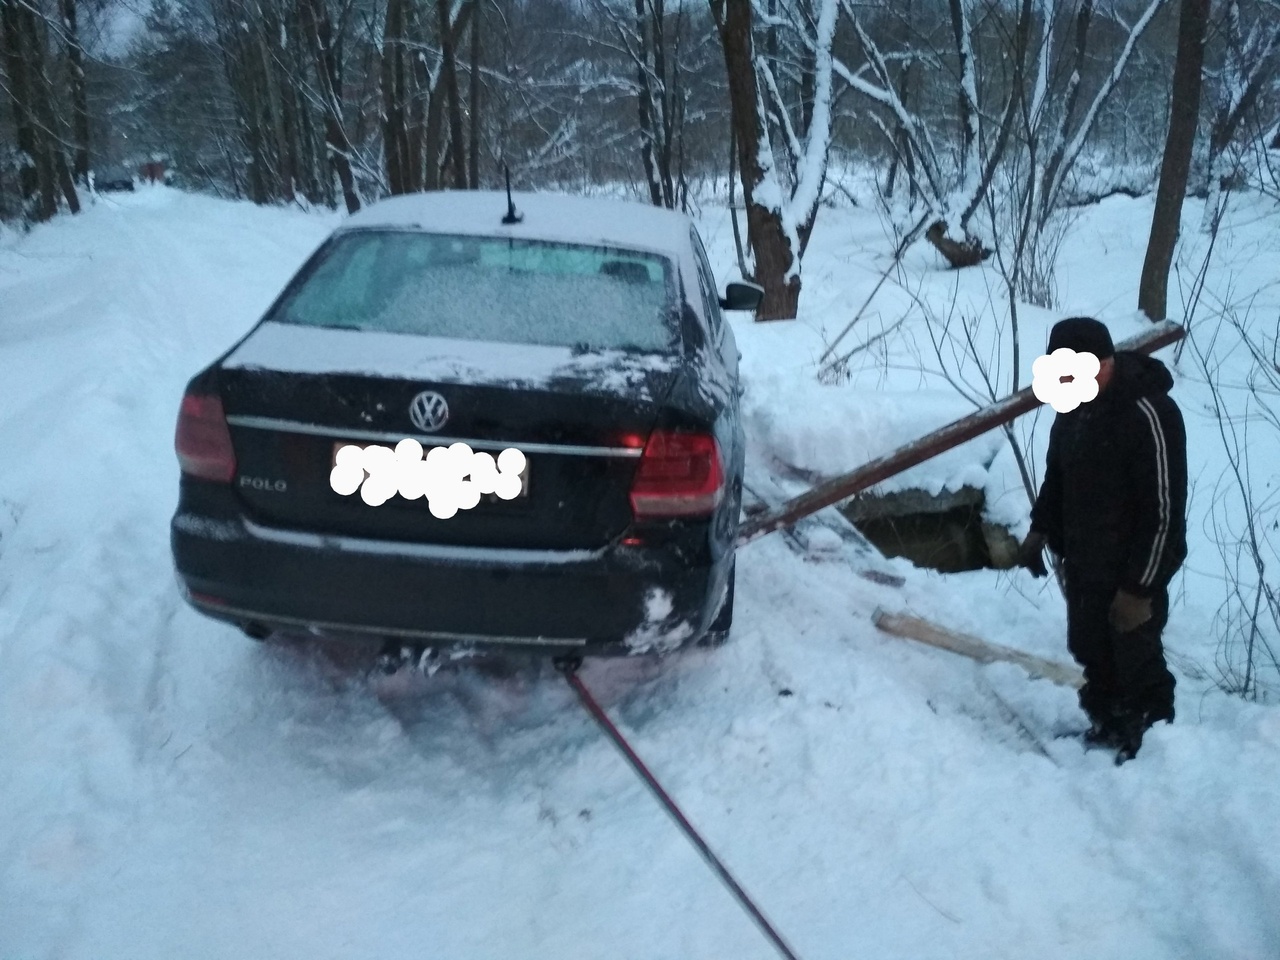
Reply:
x=169, y=789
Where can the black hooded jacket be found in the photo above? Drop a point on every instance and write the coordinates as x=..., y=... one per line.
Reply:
x=1113, y=502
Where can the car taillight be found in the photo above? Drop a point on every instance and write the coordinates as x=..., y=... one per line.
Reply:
x=679, y=475
x=203, y=441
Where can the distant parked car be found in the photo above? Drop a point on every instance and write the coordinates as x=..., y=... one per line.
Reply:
x=587, y=336
x=113, y=179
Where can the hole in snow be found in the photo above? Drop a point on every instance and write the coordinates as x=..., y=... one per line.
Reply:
x=943, y=531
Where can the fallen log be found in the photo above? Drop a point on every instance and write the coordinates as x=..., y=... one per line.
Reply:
x=997, y=414
x=975, y=648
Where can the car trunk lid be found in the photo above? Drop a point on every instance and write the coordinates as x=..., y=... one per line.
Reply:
x=293, y=394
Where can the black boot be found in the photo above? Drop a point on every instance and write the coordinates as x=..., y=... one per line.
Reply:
x=1102, y=733
x=1104, y=727
x=1129, y=734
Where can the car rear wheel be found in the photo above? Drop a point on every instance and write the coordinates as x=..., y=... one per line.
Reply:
x=718, y=633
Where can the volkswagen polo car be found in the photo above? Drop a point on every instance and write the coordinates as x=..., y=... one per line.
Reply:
x=474, y=420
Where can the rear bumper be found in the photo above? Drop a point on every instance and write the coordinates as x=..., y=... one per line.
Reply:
x=614, y=601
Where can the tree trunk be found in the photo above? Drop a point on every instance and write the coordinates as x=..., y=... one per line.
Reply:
x=293, y=128
x=35, y=204
x=432, y=98
x=433, y=137
x=422, y=159
x=232, y=44
x=967, y=250
x=966, y=68
x=285, y=175
x=1153, y=290
x=449, y=74
x=733, y=209
x=66, y=182
x=665, y=101
x=1247, y=73
x=808, y=76
x=395, y=140
x=329, y=75
x=958, y=253
x=771, y=254
x=58, y=174
x=903, y=155
x=473, y=104
x=1084, y=18
x=644, y=105
x=1021, y=45
x=79, y=98
x=44, y=171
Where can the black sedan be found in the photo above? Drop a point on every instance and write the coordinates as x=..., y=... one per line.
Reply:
x=463, y=426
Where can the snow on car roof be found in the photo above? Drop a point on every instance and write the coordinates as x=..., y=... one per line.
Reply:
x=555, y=217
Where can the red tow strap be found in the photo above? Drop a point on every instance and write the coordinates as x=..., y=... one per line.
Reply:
x=569, y=666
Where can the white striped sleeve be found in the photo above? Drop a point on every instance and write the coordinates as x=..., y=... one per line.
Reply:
x=1164, y=505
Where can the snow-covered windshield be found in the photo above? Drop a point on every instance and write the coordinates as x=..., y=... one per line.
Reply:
x=490, y=288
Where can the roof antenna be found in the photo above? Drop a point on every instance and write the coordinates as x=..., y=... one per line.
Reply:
x=512, y=216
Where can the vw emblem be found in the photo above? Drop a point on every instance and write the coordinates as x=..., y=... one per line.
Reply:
x=428, y=411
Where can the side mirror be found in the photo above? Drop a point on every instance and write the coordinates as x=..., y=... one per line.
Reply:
x=742, y=296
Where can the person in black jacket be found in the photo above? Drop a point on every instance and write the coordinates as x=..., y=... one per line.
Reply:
x=1112, y=507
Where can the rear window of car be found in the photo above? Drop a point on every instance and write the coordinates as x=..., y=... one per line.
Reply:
x=490, y=288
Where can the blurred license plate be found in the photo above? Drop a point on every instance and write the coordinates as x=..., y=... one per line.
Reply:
x=491, y=497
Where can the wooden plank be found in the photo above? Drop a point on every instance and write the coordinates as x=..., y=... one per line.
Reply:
x=988, y=418
x=922, y=631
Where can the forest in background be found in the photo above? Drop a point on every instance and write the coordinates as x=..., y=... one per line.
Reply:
x=977, y=118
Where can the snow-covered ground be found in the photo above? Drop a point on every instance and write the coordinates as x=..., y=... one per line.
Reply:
x=170, y=789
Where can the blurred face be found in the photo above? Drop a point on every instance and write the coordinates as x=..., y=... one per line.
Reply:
x=1105, y=369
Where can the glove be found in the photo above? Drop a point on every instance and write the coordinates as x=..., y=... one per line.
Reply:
x=1031, y=554
x=1129, y=612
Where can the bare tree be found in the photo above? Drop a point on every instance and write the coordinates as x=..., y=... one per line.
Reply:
x=397, y=93
x=333, y=101
x=1153, y=289
x=769, y=256
x=449, y=77
x=327, y=53
x=659, y=47
x=780, y=215
x=44, y=173
x=420, y=95
x=953, y=178
x=1250, y=63
x=78, y=90
x=473, y=103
